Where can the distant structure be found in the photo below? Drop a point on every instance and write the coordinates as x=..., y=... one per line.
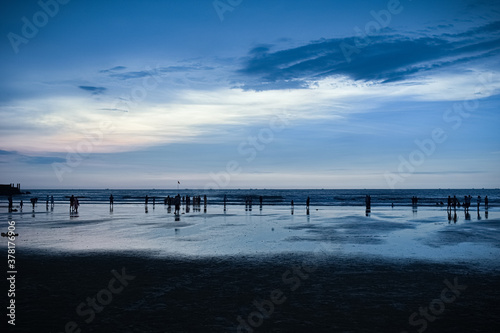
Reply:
x=10, y=189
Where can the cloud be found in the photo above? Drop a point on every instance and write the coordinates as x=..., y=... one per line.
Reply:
x=386, y=57
x=157, y=71
x=132, y=75
x=113, y=109
x=448, y=172
x=93, y=90
x=193, y=115
x=13, y=156
x=113, y=69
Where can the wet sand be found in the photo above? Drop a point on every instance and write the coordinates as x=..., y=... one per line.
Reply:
x=313, y=293
x=388, y=232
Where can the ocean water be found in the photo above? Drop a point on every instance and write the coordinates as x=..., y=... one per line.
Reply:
x=336, y=224
x=270, y=197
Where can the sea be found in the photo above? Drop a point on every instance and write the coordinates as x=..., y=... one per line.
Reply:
x=318, y=197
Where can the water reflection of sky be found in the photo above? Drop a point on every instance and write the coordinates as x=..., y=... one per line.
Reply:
x=394, y=232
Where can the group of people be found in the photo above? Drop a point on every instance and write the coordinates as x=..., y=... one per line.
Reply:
x=73, y=204
x=51, y=202
x=308, y=201
x=33, y=203
x=454, y=202
x=248, y=201
x=178, y=201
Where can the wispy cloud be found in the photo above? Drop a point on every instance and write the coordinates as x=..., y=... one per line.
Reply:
x=13, y=156
x=113, y=69
x=156, y=71
x=93, y=90
x=113, y=109
x=449, y=172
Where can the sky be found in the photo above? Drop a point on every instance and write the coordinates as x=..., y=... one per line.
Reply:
x=250, y=94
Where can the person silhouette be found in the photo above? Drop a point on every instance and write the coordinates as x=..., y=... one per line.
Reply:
x=177, y=203
x=11, y=205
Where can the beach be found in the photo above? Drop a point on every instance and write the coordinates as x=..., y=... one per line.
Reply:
x=137, y=268
x=199, y=295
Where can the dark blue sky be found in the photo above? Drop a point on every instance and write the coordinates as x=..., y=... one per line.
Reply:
x=239, y=94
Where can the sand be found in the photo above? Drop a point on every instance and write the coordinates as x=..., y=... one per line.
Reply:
x=323, y=294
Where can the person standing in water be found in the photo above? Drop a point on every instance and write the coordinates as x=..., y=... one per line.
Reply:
x=478, y=201
x=77, y=203
x=486, y=202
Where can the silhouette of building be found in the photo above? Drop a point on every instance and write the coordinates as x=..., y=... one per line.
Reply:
x=10, y=189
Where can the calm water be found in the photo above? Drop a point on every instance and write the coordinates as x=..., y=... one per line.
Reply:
x=336, y=223
x=270, y=197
